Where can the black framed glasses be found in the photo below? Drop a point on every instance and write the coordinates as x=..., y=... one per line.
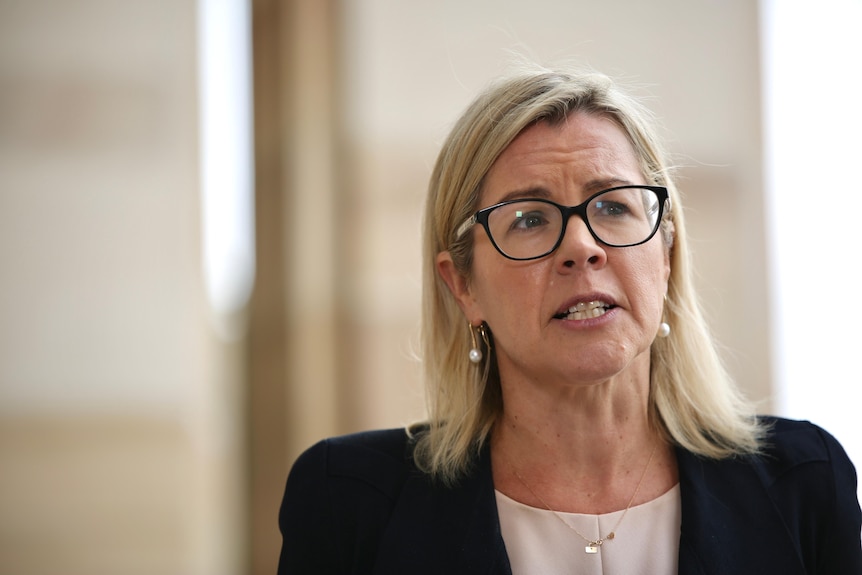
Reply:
x=528, y=229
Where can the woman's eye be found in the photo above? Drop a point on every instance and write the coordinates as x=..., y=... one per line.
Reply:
x=605, y=208
x=528, y=220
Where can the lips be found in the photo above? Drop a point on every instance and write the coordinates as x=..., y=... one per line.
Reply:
x=585, y=310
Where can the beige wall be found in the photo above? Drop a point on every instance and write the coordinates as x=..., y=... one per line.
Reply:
x=122, y=422
x=118, y=418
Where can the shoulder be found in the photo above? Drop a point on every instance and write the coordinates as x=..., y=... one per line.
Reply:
x=800, y=465
x=377, y=459
x=796, y=496
x=339, y=496
x=812, y=482
x=790, y=445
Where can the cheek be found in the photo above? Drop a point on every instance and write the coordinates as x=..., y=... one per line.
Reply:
x=648, y=284
x=507, y=291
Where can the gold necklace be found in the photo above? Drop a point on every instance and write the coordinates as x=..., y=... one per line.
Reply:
x=592, y=544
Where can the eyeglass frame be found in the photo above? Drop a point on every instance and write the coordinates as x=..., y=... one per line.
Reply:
x=481, y=217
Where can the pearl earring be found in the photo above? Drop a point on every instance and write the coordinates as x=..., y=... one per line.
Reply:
x=663, y=329
x=475, y=353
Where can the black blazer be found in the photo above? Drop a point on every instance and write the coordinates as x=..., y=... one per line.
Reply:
x=357, y=504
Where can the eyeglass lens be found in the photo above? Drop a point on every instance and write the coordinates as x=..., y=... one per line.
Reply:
x=532, y=228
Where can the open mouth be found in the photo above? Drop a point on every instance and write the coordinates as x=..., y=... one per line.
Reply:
x=585, y=310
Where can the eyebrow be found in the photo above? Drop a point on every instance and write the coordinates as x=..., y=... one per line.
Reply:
x=598, y=185
x=591, y=187
x=534, y=192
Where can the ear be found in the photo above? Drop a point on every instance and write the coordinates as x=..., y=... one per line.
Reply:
x=459, y=287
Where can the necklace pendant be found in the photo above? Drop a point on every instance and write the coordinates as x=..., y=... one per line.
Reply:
x=591, y=549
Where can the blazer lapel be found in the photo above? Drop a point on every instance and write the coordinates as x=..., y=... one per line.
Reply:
x=729, y=524
x=435, y=529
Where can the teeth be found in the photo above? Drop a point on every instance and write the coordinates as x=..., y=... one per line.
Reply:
x=586, y=310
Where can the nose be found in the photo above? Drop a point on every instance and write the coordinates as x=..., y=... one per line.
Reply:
x=578, y=248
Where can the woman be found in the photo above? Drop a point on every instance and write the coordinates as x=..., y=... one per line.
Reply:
x=580, y=419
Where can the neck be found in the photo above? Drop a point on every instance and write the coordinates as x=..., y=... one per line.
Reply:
x=591, y=424
x=595, y=437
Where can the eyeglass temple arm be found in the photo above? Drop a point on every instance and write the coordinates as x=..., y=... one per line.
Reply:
x=465, y=227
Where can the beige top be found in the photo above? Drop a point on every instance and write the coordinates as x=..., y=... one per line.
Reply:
x=647, y=541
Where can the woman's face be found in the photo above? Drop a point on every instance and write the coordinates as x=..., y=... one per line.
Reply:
x=525, y=302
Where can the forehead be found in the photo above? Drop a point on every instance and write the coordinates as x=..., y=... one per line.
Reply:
x=582, y=151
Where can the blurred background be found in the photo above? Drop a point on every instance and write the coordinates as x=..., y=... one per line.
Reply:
x=209, y=236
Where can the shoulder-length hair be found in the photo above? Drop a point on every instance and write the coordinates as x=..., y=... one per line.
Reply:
x=692, y=401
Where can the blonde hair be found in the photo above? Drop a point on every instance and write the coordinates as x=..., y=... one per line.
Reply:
x=693, y=402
